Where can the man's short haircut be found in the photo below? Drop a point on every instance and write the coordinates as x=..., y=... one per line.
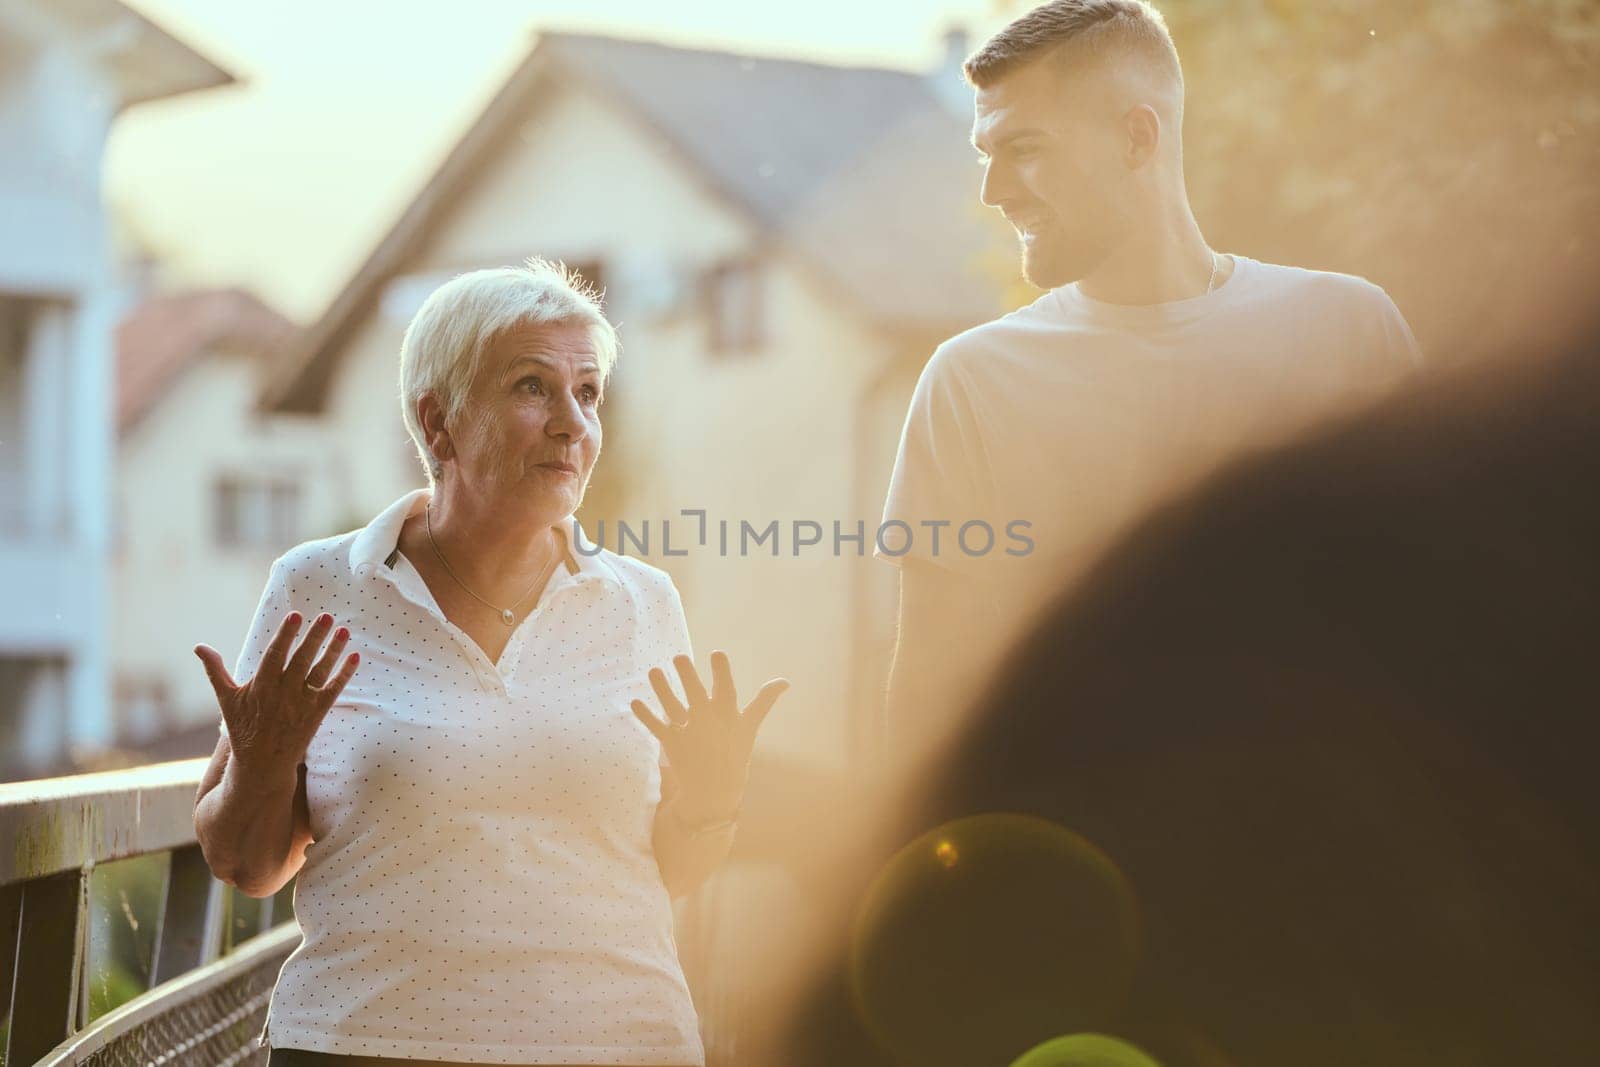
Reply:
x=1101, y=26
x=445, y=343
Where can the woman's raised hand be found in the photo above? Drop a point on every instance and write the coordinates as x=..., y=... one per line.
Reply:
x=709, y=741
x=272, y=717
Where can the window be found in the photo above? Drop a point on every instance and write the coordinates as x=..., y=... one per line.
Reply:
x=257, y=512
x=142, y=706
x=34, y=725
x=14, y=334
x=736, y=297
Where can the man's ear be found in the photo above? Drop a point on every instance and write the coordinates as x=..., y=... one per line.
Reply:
x=1142, y=127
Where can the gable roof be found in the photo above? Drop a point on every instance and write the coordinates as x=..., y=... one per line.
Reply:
x=767, y=131
x=163, y=336
x=147, y=62
x=862, y=172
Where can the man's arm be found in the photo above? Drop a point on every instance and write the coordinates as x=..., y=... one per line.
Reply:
x=942, y=654
x=939, y=474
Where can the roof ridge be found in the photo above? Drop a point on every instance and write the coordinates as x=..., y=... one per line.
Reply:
x=760, y=57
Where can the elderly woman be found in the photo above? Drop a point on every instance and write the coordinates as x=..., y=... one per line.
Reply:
x=458, y=759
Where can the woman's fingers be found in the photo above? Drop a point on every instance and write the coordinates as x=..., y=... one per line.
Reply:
x=722, y=679
x=335, y=686
x=768, y=696
x=691, y=681
x=643, y=713
x=311, y=720
x=217, y=672
x=277, y=653
x=669, y=700
x=299, y=667
x=320, y=670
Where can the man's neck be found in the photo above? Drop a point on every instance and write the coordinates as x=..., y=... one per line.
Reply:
x=1167, y=263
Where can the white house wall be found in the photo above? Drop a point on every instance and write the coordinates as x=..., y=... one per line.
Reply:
x=174, y=586
x=372, y=457
x=56, y=104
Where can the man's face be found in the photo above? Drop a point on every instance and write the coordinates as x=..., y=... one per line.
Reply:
x=531, y=426
x=1052, y=166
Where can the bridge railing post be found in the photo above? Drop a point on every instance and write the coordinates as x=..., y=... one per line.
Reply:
x=48, y=976
x=191, y=922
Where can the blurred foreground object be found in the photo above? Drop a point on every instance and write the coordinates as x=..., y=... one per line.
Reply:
x=1333, y=718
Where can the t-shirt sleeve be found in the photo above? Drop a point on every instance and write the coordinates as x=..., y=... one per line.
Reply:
x=676, y=636
x=1386, y=351
x=939, y=471
x=269, y=614
x=1396, y=340
x=663, y=629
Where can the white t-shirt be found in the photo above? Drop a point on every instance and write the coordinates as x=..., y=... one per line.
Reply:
x=1058, y=424
x=482, y=886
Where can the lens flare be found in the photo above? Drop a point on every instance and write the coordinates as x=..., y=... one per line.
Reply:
x=988, y=935
x=1084, y=1050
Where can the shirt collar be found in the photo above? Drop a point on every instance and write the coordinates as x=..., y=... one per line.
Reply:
x=374, y=543
x=379, y=537
x=584, y=554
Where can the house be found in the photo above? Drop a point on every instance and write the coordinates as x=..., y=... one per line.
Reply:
x=209, y=491
x=782, y=244
x=67, y=69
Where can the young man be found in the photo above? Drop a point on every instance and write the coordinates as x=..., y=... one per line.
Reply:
x=1150, y=361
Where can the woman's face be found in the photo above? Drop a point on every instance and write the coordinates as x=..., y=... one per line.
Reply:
x=529, y=433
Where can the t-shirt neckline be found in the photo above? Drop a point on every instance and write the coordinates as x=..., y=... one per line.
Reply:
x=1173, y=312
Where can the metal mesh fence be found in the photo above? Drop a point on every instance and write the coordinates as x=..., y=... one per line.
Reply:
x=216, y=1028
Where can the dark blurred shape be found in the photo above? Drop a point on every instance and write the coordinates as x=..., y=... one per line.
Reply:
x=1334, y=717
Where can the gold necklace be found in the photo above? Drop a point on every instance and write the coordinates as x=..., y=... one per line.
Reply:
x=507, y=615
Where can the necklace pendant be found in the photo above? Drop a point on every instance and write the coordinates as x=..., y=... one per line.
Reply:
x=506, y=617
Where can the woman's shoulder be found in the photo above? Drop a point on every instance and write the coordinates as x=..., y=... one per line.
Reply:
x=323, y=556
x=635, y=573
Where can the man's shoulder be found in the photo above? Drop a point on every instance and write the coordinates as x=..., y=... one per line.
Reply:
x=1353, y=313
x=1311, y=283
x=1003, y=332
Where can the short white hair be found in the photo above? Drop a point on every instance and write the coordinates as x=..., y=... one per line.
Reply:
x=445, y=342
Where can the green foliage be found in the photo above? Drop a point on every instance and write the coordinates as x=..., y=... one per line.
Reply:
x=125, y=902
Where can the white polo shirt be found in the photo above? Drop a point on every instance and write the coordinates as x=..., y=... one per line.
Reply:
x=482, y=886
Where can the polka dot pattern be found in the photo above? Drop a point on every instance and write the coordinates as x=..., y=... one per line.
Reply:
x=482, y=887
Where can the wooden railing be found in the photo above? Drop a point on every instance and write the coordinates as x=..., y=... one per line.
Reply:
x=53, y=834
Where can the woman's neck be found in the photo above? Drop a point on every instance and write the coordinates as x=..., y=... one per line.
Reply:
x=494, y=551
